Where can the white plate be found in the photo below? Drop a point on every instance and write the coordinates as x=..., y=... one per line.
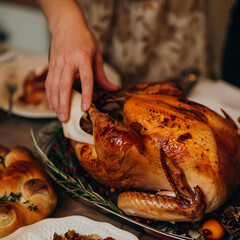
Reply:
x=22, y=65
x=45, y=229
x=20, y=68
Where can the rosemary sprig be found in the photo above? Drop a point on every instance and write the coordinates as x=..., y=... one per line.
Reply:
x=77, y=186
x=16, y=197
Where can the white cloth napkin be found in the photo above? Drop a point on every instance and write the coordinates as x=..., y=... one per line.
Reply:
x=217, y=95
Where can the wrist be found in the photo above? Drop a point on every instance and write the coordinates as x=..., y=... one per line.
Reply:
x=61, y=12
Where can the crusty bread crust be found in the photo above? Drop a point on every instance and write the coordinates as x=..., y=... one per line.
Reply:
x=20, y=172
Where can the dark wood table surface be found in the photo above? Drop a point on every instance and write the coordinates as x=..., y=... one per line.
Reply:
x=15, y=131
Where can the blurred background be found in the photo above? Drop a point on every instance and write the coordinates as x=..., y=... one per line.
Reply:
x=23, y=25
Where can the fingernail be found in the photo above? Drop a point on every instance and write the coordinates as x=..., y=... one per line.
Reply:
x=84, y=107
x=61, y=117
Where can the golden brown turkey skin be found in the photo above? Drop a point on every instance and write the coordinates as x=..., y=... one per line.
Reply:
x=199, y=141
x=116, y=159
x=180, y=158
x=165, y=88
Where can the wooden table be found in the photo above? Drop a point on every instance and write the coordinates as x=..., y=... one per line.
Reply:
x=15, y=131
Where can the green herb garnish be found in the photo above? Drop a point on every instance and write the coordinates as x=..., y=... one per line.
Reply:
x=15, y=197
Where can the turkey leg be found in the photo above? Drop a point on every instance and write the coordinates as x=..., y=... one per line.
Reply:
x=183, y=205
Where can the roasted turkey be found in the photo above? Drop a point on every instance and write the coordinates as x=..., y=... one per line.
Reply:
x=172, y=159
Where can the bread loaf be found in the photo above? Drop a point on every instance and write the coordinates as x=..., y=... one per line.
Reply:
x=23, y=180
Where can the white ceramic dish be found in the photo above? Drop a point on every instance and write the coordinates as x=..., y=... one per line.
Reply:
x=20, y=67
x=45, y=229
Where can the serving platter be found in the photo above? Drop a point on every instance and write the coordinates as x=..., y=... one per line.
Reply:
x=45, y=229
x=62, y=165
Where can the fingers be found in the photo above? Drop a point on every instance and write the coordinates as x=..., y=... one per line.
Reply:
x=238, y=130
x=51, y=86
x=86, y=77
x=58, y=89
x=61, y=74
x=60, y=80
x=100, y=76
x=65, y=86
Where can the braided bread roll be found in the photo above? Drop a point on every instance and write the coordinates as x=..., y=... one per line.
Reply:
x=20, y=172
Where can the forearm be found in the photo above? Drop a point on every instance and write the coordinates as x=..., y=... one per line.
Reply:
x=58, y=11
x=73, y=49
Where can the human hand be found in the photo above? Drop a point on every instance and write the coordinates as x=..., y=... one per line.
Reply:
x=73, y=49
x=238, y=130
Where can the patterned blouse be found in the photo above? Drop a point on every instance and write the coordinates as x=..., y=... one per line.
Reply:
x=149, y=40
